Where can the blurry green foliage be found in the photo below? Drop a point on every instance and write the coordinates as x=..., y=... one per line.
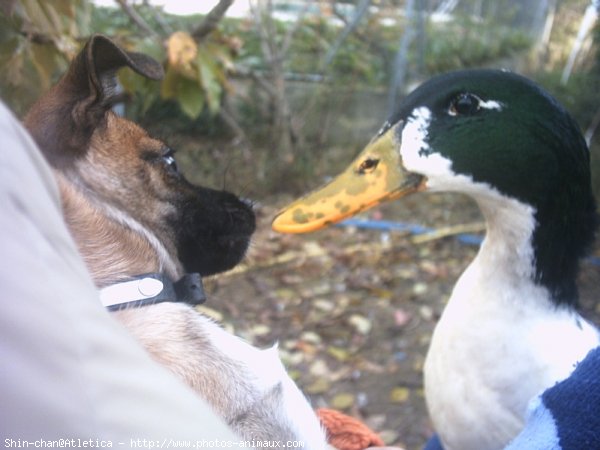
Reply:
x=466, y=42
x=365, y=58
x=37, y=40
x=196, y=84
x=191, y=67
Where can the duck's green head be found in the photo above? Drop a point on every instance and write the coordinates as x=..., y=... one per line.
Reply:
x=468, y=131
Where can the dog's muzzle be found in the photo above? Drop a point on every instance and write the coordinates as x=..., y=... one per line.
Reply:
x=152, y=288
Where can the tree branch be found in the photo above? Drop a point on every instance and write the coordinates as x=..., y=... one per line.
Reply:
x=289, y=35
x=401, y=60
x=258, y=12
x=7, y=7
x=166, y=29
x=137, y=19
x=361, y=10
x=211, y=20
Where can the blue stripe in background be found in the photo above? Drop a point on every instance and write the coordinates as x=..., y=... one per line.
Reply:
x=388, y=225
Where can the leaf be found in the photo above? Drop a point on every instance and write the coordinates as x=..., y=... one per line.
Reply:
x=389, y=437
x=168, y=87
x=286, y=294
x=212, y=313
x=222, y=54
x=342, y=401
x=54, y=18
x=323, y=305
x=401, y=317
x=189, y=97
x=37, y=16
x=360, y=323
x=291, y=358
x=149, y=94
x=311, y=337
x=294, y=374
x=339, y=353
x=399, y=395
x=143, y=88
x=260, y=330
x=207, y=72
x=420, y=289
x=319, y=386
x=426, y=312
x=43, y=59
x=12, y=59
x=150, y=47
x=65, y=8
x=186, y=92
x=319, y=369
x=182, y=51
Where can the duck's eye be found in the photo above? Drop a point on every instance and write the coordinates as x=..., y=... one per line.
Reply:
x=368, y=165
x=464, y=105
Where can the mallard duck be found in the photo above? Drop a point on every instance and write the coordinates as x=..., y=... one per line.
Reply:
x=510, y=328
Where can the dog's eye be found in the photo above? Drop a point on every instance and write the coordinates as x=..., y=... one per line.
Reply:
x=169, y=159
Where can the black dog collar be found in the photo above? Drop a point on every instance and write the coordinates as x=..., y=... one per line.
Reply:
x=153, y=288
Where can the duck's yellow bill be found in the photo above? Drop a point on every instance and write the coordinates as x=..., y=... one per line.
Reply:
x=375, y=176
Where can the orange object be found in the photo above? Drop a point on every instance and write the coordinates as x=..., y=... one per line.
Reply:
x=347, y=433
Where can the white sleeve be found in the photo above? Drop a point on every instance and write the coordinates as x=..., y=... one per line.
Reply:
x=67, y=369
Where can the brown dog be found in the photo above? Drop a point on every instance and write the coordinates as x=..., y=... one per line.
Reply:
x=132, y=213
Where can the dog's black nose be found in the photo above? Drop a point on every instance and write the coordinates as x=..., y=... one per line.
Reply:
x=252, y=204
x=239, y=212
x=214, y=231
x=241, y=217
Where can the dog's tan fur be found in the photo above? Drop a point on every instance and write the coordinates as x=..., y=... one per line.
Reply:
x=115, y=242
x=121, y=199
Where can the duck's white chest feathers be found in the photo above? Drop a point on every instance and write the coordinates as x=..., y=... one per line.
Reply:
x=500, y=340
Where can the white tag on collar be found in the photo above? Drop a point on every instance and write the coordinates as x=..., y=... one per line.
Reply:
x=130, y=291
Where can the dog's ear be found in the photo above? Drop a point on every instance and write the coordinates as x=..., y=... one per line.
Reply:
x=63, y=120
x=94, y=70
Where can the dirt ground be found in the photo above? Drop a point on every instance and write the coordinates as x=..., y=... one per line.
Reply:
x=353, y=310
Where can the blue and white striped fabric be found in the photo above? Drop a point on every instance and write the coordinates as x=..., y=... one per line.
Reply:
x=565, y=417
